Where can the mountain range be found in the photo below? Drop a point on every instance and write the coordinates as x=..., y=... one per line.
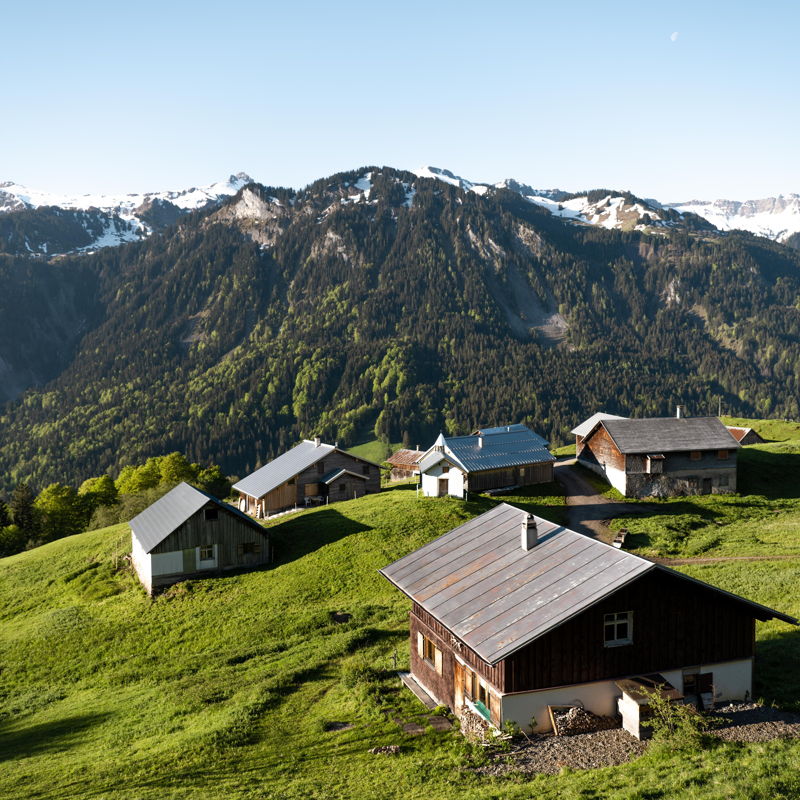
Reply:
x=381, y=303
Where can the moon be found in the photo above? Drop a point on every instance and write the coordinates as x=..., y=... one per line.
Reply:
x=674, y=36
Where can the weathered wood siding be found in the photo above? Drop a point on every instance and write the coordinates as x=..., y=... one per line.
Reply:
x=525, y=475
x=599, y=448
x=335, y=460
x=228, y=532
x=675, y=624
x=281, y=497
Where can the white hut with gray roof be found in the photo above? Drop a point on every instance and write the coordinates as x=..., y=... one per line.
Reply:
x=188, y=533
x=490, y=458
x=310, y=473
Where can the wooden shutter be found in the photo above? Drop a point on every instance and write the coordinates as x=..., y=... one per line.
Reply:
x=420, y=645
x=437, y=660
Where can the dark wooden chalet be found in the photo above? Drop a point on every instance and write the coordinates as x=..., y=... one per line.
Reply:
x=491, y=458
x=310, y=473
x=660, y=456
x=188, y=534
x=511, y=614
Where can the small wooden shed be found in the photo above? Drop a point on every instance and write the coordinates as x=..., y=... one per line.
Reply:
x=189, y=533
x=405, y=464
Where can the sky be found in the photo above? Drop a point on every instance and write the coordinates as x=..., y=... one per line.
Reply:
x=677, y=101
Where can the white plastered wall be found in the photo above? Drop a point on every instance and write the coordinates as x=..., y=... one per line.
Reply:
x=732, y=680
x=454, y=478
x=456, y=482
x=141, y=563
x=616, y=477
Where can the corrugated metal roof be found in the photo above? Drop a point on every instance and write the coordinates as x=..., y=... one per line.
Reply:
x=496, y=597
x=588, y=424
x=512, y=448
x=517, y=427
x=669, y=434
x=169, y=512
x=282, y=468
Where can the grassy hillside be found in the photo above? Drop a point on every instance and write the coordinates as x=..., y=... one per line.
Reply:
x=225, y=688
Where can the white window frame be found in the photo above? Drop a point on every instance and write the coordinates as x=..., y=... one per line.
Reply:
x=613, y=620
x=207, y=563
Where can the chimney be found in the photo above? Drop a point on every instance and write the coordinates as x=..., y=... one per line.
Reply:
x=480, y=441
x=528, y=533
x=317, y=441
x=680, y=412
x=417, y=448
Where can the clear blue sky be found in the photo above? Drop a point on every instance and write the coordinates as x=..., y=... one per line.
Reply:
x=145, y=95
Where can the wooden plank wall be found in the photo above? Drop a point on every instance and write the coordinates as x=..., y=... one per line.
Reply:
x=599, y=448
x=675, y=624
x=335, y=460
x=526, y=475
x=227, y=532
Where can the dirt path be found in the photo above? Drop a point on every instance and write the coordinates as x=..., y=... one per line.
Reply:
x=588, y=512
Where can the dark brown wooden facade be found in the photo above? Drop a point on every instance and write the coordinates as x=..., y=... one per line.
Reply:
x=676, y=624
x=308, y=484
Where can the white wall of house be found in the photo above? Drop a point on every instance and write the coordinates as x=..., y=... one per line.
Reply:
x=732, y=680
x=167, y=563
x=454, y=478
x=142, y=563
x=616, y=477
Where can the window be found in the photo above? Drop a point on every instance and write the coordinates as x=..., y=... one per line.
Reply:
x=320, y=467
x=342, y=488
x=211, y=514
x=723, y=480
x=477, y=691
x=695, y=455
x=365, y=469
x=250, y=548
x=207, y=552
x=445, y=468
x=618, y=628
x=722, y=455
x=290, y=482
x=429, y=652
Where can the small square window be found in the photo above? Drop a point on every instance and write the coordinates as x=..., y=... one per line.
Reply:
x=618, y=628
x=445, y=468
x=290, y=482
x=249, y=548
x=723, y=480
x=342, y=488
x=365, y=469
x=211, y=514
x=207, y=552
x=695, y=455
x=722, y=455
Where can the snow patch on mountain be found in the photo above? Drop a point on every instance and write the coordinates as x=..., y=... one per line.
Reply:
x=774, y=217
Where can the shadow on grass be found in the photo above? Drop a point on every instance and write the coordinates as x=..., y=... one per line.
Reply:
x=306, y=533
x=46, y=737
x=777, y=678
x=536, y=499
x=770, y=473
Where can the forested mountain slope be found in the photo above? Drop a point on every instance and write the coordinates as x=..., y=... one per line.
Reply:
x=380, y=300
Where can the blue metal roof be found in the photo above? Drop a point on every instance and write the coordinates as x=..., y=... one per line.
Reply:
x=507, y=446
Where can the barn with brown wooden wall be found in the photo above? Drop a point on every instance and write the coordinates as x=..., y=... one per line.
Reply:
x=312, y=473
x=405, y=464
x=512, y=614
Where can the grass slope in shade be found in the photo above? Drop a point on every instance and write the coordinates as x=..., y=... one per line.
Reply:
x=224, y=688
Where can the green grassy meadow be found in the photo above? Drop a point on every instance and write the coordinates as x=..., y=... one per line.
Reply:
x=227, y=687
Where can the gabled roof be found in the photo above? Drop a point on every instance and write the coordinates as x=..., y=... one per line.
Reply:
x=740, y=433
x=497, y=598
x=588, y=424
x=169, y=512
x=405, y=458
x=494, y=448
x=669, y=434
x=331, y=476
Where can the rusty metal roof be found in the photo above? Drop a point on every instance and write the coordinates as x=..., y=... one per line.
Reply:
x=496, y=597
x=406, y=458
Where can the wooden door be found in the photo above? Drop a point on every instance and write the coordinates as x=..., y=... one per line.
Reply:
x=707, y=485
x=458, y=688
x=443, y=484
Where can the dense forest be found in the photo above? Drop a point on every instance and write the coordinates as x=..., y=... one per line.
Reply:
x=392, y=306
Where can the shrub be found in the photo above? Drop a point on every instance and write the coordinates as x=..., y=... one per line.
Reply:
x=676, y=725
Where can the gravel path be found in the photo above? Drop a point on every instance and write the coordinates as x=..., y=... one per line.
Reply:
x=744, y=722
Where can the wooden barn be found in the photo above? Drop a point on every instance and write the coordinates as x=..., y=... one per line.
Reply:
x=511, y=614
x=405, y=464
x=659, y=457
x=490, y=458
x=744, y=436
x=190, y=534
x=309, y=474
